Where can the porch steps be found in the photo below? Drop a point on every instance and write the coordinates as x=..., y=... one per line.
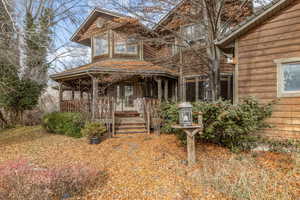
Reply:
x=130, y=125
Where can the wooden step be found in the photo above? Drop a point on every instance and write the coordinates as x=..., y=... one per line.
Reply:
x=131, y=131
x=130, y=126
x=127, y=114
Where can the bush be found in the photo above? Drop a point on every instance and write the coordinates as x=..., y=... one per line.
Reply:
x=93, y=129
x=22, y=180
x=232, y=126
x=69, y=124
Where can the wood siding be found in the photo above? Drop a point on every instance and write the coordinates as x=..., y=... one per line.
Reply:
x=278, y=37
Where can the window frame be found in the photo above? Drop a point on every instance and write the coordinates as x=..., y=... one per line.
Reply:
x=194, y=36
x=280, y=64
x=126, y=52
x=103, y=35
x=126, y=44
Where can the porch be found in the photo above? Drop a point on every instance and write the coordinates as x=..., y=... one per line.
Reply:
x=118, y=95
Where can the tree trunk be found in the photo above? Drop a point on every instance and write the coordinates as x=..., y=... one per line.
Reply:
x=2, y=119
x=214, y=72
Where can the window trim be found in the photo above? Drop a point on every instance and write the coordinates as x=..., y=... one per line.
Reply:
x=126, y=45
x=202, y=37
x=280, y=63
x=94, y=44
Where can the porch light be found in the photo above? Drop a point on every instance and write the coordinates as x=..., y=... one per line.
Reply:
x=185, y=114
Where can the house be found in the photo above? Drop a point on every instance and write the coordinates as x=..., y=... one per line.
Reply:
x=125, y=77
x=267, y=54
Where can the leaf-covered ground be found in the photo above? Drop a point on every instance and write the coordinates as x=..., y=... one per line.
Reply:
x=152, y=167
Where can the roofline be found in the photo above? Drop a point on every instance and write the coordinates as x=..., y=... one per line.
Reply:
x=252, y=22
x=100, y=10
x=108, y=70
x=168, y=15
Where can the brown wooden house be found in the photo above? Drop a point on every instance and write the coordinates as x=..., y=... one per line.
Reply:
x=125, y=76
x=267, y=51
x=120, y=81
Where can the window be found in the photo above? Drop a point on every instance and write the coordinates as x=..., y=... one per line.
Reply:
x=193, y=32
x=288, y=73
x=100, y=45
x=128, y=46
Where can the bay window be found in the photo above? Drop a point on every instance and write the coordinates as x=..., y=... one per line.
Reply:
x=125, y=45
x=100, y=45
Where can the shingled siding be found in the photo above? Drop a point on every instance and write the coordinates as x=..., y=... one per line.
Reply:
x=278, y=37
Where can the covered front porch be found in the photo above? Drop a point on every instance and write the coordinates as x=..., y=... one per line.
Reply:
x=107, y=95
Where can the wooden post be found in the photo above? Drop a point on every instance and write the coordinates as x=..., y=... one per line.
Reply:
x=197, y=88
x=148, y=118
x=191, y=148
x=166, y=90
x=184, y=89
x=81, y=95
x=94, y=97
x=73, y=94
x=60, y=96
x=176, y=91
x=159, y=88
x=114, y=118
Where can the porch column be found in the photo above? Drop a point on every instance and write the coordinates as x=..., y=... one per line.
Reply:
x=159, y=89
x=81, y=95
x=94, y=97
x=197, y=88
x=166, y=90
x=184, y=89
x=176, y=91
x=60, y=96
x=73, y=93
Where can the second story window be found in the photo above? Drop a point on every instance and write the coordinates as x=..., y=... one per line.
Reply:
x=100, y=45
x=126, y=46
x=193, y=32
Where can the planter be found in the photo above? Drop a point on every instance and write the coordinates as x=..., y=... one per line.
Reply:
x=95, y=140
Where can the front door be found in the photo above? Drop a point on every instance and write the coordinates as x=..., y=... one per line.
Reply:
x=125, y=97
x=128, y=98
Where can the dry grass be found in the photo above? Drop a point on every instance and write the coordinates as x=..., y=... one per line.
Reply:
x=150, y=167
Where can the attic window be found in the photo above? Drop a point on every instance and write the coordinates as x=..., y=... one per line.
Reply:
x=288, y=77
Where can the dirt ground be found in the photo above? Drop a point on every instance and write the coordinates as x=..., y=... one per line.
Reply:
x=152, y=167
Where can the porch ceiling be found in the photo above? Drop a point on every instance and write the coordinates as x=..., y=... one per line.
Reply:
x=129, y=67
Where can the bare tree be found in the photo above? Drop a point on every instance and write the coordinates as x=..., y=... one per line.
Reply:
x=212, y=18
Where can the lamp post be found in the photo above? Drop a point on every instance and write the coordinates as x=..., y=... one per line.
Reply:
x=186, y=124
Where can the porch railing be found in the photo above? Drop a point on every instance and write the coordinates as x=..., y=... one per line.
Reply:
x=106, y=109
x=151, y=114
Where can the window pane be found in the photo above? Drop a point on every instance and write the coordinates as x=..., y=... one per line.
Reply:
x=131, y=49
x=291, y=77
x=101, y=45
x=120, y=47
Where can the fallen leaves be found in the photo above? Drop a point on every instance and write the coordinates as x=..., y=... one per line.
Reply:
x=137, y=166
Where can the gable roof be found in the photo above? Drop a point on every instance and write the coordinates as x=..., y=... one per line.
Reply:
x=93, y=15
x=166, y=17
x=253, y=21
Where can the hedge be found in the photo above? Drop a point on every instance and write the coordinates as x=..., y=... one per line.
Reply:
x=232, y=126
x=69, y=124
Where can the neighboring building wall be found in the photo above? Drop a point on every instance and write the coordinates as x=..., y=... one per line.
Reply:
x=277, y=38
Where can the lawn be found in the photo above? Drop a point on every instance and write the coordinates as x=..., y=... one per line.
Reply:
x=152, y=167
